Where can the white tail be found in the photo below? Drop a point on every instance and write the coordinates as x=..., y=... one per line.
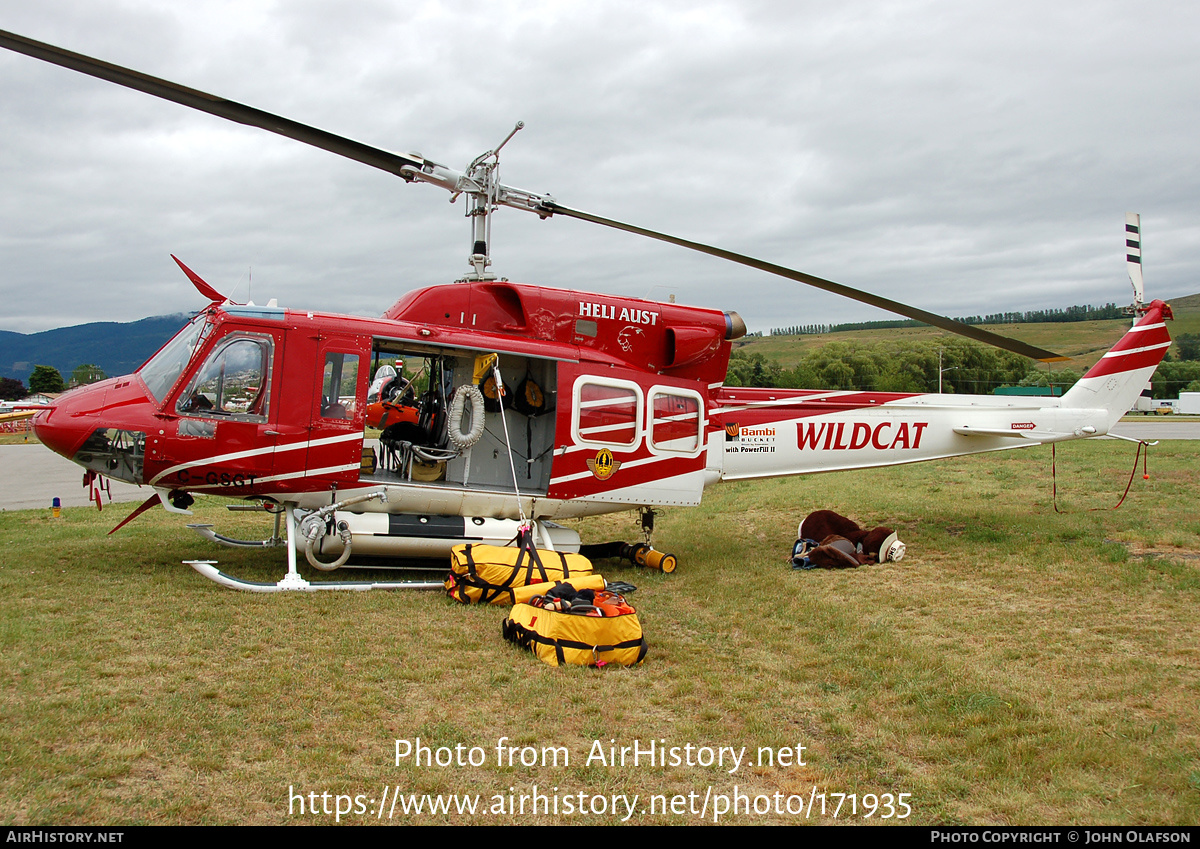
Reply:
x=1114, y=383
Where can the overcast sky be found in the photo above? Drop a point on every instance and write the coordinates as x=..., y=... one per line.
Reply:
x=965, y=157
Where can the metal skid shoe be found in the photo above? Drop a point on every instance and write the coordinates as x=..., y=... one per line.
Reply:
x=292, y=581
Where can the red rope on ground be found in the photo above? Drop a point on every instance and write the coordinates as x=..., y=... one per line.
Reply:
x=1133, y=471
x=1145, y=474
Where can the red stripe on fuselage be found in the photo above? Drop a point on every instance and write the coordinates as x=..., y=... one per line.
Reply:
x=650, y=468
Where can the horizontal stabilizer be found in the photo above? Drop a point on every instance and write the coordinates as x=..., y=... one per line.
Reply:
x=1032, y=435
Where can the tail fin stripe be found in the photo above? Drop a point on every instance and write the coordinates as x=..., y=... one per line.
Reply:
x=1128, y=351
x=1123, y=361
x=1131, y=342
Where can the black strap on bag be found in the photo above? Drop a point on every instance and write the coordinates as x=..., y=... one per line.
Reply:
x=529, y=560
x=525, y=544
x=526, y=548
x=489, y=591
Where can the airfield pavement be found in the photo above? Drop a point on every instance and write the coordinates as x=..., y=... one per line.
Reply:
x=31, y=476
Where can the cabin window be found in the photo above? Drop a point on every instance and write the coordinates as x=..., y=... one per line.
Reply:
x=676, y=423
x=608, y=413
x=339, y=385
x=234, y=381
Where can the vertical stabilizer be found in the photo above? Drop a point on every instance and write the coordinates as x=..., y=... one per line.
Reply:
x=1114, y=383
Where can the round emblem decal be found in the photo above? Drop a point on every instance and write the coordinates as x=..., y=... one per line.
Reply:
x=603, y=465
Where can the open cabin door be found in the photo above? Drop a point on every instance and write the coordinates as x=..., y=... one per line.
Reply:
x=629, y=437
x=410, y=404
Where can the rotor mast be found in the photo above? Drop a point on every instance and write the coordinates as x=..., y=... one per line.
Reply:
x=481, y=183
x=484, y=172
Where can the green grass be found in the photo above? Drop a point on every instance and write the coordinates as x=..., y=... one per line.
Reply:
x=1019, y=666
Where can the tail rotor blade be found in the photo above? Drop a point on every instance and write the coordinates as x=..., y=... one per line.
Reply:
x=1133, y=254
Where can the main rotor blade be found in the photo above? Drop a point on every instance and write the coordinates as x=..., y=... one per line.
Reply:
x=1014, y=345
x=228, y=109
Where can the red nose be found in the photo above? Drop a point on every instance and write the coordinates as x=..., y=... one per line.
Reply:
x=61, y=432
x=101, y=427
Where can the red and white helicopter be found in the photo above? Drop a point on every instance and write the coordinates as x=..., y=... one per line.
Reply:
x=611, y=403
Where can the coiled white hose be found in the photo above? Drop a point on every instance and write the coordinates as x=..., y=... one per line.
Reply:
x=465, y=439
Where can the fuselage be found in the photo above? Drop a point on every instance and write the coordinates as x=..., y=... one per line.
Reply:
x=611, y=403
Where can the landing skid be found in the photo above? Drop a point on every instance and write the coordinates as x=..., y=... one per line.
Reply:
x=208, y=533
x=291, y=582
x=294, y=583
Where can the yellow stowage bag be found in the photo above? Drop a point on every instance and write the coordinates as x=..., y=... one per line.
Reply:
x=492, y=574
x=570, y=638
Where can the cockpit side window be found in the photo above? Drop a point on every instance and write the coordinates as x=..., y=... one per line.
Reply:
x=234, y=381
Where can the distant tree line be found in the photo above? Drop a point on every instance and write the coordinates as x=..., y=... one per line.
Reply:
x=48, y=379
x=1075, y=313
x=817, y=329
x=967, y=367
x=1180, y=371
x=897, y=366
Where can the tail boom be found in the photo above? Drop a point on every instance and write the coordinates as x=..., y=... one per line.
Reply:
x=767, y=433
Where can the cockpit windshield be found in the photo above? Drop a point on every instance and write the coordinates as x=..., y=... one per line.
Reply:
x=162, y=370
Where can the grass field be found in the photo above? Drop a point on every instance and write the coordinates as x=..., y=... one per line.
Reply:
x=1019, y=666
